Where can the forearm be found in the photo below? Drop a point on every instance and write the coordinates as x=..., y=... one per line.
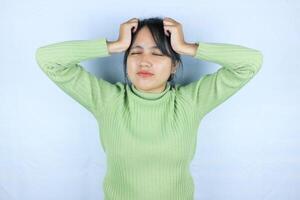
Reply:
x=231, y=56
x=114, y=47
x=190, y=49
x=239, y=64
x=71, y=52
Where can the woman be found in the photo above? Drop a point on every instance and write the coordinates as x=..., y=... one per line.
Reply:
x=149, y=126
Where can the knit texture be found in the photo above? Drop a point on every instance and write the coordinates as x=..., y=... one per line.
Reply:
x=149, y=138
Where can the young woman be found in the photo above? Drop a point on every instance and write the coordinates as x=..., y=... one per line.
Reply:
x=149, y=126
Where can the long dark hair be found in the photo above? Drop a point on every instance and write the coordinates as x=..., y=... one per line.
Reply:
x=156, y=27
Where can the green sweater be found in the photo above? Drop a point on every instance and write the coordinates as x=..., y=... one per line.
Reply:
x=149, y=139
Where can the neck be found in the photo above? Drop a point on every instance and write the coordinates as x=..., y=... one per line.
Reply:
x=156, y=91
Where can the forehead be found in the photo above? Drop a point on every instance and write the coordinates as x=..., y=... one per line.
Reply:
x=144, y=40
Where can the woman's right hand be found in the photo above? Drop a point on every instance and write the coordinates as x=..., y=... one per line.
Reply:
x=124, y=39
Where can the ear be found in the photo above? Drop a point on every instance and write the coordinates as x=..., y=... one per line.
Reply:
x=174, y=67
x=173, y=70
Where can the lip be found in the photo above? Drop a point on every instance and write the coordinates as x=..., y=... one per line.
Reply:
x=144, y=74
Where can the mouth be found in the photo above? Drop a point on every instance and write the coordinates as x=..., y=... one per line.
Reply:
x=144, y=75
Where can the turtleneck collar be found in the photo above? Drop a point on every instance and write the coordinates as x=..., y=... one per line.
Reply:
x=147, y=95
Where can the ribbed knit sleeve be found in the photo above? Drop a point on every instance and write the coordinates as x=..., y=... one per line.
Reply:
x=239, y=65
x=60, y=62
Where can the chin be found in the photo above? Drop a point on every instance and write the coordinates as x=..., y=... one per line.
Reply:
x=144, y=83
x=143, y=86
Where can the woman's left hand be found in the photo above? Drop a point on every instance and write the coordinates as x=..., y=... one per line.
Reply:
x=173, y=29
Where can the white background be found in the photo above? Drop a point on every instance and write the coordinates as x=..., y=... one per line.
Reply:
x=248, y=148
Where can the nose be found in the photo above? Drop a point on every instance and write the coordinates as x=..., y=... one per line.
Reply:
x=145, y=61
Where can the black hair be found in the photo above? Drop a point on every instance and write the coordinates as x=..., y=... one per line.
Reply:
x=156, y=27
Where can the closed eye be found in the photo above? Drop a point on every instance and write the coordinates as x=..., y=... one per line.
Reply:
x=153, y=54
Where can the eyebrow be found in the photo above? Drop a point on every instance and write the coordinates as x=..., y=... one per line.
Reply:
x=138, y=46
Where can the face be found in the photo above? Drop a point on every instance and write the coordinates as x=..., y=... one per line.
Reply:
x=144, y=55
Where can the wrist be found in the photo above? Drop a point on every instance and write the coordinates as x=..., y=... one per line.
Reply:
x=114, y=47
x=191, y=49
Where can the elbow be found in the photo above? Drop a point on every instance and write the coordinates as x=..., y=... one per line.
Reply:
x=257, y=61
x=38, y=55
x=252, y=66
x=41, y=57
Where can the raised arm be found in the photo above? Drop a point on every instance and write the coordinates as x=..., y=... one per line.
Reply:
x=60, y=62
x=239, y=65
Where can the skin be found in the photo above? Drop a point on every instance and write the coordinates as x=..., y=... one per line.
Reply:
x=150, y=59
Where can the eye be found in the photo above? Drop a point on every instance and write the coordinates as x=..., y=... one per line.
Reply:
x=153, y=54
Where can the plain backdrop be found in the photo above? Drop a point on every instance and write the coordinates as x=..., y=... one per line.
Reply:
x=247, y=148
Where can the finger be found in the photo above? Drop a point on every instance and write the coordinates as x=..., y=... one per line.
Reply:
x=171, y=22
x=132, y=29
x=167, y=30
x=134, y=18
x=169, y=27
x=168, y=22
x=168, y=19
x=168, y=33
x=135, y=27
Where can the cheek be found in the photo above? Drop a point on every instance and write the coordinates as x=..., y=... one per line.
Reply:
x=165, y=72
x=129, y=64
x=131, y=69
x=161, y=67
x=132, y=64
x=164, y=69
